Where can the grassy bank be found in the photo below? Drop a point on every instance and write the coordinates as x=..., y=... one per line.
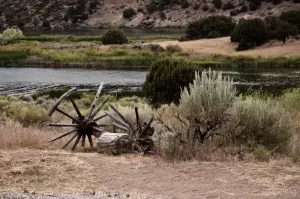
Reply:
x=87, y=52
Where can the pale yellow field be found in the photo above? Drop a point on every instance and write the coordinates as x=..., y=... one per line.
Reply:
x=223, y=46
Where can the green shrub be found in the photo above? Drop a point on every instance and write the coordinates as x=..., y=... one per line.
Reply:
x=151, y=7
x=128, y=13
x=244, y=8
x=196, y=7
x=114, y=36
x=285, y=30
x=217, y=3
x=173, y=48
x=201, y=28
x=205, y=103
x=213, y=34
x=162, y=15
x=205, y=7
x=292, y=17
x=257, y=122
x=233, y=13
x=9, y=35
x=228, y=6
x=252, y=31
x=165, y=80
x=254, y=4
x=275, y=2
x=26, y=113
x=261, y=154
x=244, y=45
x=291, y=98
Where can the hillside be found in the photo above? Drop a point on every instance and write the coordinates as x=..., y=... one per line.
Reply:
x=78, y=14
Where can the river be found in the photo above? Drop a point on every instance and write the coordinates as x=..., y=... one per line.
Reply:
x=16, y=81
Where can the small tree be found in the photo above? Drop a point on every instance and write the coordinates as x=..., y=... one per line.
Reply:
x=128, y=13
x=285, y=30
x=114, y=36
x=205, y=103
x=9, y=35
x=292, y=17
x=165, y=80
x=201, y=28
x=217, y=3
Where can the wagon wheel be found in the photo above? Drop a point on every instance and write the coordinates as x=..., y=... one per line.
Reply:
x=82, y=126
x=139, y=133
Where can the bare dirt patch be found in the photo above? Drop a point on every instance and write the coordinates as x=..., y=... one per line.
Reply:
x=223, y=46
x=144, y=177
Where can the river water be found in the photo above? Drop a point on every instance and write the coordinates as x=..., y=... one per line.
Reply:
x=16, y=81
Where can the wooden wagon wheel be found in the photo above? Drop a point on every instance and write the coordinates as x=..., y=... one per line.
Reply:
x=139, y=133
x=82, y=126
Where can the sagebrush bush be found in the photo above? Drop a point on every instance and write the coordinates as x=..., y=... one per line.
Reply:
x=261, y=154
x=260, y=122
x=173, y=48
x=9, y=35
x=291, y=98
x=205, y=103
x=114, y=36
x=26, y=113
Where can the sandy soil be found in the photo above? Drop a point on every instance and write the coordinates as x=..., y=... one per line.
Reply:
x=143, y=177
x=223, y=46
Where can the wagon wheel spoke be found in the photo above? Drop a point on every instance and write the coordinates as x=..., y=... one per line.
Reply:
x=63, y=125
x=95, y=100
x=66, y=114
x=76, y=142
x=97, y=129
x=90, y=140
x=100, y=107
x=58, y=102
x=120, y=126
x=83, y=140
x=121, y=116
x=70, y=140
x=76, y=107
x=117, y=120
x=138, y=124
x=100, y=117
x=59, y=137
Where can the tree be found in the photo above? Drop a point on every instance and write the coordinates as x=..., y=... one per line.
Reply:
x=114, y=36
x=253, y=31
x=128, y=13
x=292, y=17
x=217, y=3
x=201, y=28
x=285, y=30
x=165, y=80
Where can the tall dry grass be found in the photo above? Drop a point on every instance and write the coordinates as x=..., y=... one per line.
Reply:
x=14, y=136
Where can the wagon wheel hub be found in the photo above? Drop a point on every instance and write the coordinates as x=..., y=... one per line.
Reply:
x=83, y=126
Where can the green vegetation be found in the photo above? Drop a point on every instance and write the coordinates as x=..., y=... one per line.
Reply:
x=10, y=35
x=292, y=17
x=202, y=28
x=166, y=78
x=128, y=13
x=114, y=36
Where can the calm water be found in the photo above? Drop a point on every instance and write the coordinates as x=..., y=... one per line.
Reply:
x=28, y=80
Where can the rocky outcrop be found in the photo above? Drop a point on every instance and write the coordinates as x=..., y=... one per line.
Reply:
x=80, y=14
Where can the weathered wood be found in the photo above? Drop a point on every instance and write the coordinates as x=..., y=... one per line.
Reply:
x=143, y=133
x=68, y=133
x=70, y=140
x=66, y=114
x=117, y=120
x=90, y=140
x=76, y=142
x=63, y=125
x=95, y=100
x=100, y=117
x=76, y=107
x=120, y=126
x=137, y=116
x=122, y=117
x=64, y=96
x=83, y=140
x=100, y=107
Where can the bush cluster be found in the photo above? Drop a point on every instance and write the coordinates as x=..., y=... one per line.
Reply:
x=202, y=28
x=114, y=36
x=9, y=35
x=80, y=10
x=165, y=80
x=129, y=12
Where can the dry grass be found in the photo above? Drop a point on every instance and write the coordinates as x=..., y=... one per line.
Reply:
x=14, y=136
x=223, y=46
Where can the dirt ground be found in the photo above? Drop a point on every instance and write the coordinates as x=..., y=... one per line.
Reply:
x=131, y=176
x=223, y=46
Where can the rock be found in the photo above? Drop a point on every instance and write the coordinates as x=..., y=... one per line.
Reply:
x=114, y=143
